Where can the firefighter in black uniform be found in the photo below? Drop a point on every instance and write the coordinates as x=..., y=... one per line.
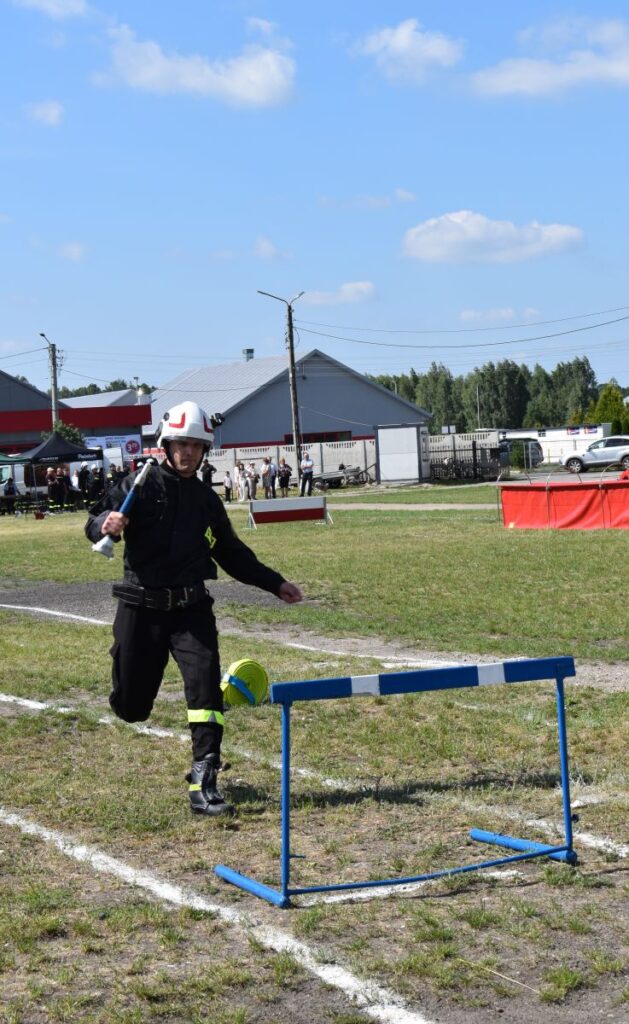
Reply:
x=177, y=530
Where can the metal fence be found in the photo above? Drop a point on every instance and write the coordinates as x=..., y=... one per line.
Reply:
x=465, y=457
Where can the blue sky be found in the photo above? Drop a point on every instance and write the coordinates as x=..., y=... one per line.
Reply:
x=451, y=169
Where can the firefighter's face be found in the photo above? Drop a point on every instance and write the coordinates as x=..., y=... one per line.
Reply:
x=185, y=456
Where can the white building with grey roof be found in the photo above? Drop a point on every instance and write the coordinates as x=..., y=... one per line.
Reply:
x=335, y=402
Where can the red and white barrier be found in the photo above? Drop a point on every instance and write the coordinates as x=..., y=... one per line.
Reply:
x=285, y=510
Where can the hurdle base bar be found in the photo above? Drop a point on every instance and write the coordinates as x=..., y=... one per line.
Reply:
x=562, y=853
x=530, y=851
x=265, y=892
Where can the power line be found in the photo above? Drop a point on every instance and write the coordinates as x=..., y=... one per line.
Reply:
x=484, y=344
x=18, y=355
x=464, y=330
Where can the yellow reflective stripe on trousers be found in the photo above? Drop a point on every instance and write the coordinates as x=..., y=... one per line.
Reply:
x=201, y=715
x=194, y=787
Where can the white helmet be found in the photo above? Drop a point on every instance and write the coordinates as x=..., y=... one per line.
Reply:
x=185, y=422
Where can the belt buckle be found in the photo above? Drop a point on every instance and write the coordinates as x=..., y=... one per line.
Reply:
x=181, y=601
x=169, y=603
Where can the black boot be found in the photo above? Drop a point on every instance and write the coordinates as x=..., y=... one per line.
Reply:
x=204, y=796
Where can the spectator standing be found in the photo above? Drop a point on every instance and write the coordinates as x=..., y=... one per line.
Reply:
x=243, y=489
x=252, y=480
x=265, y=477
x=97, y=483
x=284, y=473
x=84, y=481
x=10, y=493
x=57, y=490
x=227, y=484
x=307, y=470
x=273, y=476
x=207, y=472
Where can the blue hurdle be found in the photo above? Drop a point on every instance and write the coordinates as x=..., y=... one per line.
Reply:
x=526, y=670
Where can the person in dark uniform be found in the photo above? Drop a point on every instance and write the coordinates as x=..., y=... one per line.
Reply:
x=176, y=533
x=207, y=472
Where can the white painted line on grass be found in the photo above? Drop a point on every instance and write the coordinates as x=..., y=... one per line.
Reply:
x=58, y=615
x=595, y=842
x=378, y=1003
x=385, y=891
x=182, y=737
x=393, y=662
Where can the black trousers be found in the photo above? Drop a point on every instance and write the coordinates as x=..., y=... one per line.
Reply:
x=306, y=485
x=143, y=640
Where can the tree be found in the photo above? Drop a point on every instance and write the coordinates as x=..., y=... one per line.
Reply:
x=540, y=410
x=94, y=389
x=441, y=394
x=66, y=430
x=575, y=386
x=611, y=407
x=89, y=389
x=512, y=394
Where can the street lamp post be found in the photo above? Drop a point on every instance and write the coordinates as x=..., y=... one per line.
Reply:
x=292, y=378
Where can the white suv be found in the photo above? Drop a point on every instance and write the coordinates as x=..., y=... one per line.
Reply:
x=601, y=453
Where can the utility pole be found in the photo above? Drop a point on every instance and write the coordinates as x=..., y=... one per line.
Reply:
x=292, y=378
x=52, y=362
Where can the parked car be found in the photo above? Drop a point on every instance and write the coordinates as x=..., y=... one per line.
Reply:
x=606, y=452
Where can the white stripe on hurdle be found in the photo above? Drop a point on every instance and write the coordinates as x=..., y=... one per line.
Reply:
x=366, y=684
x=493, y=673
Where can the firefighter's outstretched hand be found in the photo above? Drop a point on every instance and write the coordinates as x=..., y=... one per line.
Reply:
x=290, y=593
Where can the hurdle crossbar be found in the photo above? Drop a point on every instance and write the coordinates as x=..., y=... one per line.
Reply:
x=288, y=510
x=416, y=681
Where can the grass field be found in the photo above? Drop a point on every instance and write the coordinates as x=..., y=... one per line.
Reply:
x=79, y=942
x=422, y=494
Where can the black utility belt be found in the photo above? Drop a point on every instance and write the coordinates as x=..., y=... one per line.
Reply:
x=163, y=599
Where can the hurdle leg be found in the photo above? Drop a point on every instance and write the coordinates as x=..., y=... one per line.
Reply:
x=565, y=852
x=265, y=892
x=285, y=854
x=565, y=773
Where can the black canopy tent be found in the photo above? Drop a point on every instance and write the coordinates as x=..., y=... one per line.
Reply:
x=56, y=450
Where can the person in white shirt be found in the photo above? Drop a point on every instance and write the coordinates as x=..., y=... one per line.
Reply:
x=307, y=469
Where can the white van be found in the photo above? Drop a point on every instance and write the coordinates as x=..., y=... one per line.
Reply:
x=23, y=477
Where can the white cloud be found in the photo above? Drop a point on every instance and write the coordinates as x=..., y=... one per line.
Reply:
x=48, y=112
x=56, y=8
x=351, y=292
x=468, y=237
x=500, y=315
x=576, y=52
x=484, y=315
x=265, y=249
x=407, y=52
x=369, y=202
x=261, y=26
x=258, y=77
x=75, y=252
